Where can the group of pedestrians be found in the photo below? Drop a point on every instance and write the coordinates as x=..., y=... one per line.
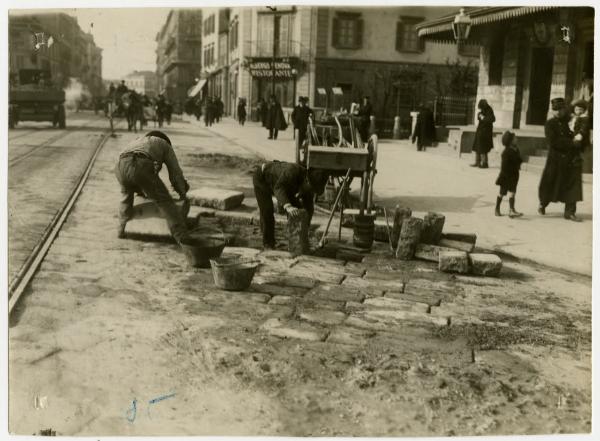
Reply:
x=212, y=108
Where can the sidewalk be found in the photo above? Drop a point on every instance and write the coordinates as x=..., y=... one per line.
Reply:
x=437, y=180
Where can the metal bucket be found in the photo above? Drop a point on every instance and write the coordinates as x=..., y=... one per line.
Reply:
x=233, y=273
x=202, y=250
x=364, y=231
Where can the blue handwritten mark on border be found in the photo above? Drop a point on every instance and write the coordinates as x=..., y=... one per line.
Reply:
x=161, y=398
x=131, y=412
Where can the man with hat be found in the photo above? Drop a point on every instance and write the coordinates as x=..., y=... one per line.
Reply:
x=581, y=125
x=300, y=117
x=293, y=186
x=137, y=172
x=561, y=178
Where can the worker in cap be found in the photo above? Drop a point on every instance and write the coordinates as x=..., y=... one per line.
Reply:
x=293, y=186
x=300, y=118
x=561, y=178
x=137, y=172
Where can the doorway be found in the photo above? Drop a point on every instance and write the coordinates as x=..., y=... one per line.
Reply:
x=542, y=60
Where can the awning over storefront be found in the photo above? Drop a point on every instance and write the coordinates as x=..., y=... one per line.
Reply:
x=441, y=28
x=195, y=89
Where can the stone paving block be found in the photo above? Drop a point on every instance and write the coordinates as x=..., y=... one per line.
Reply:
x=218, y=198
x=320, y=261
x=335, y=293
x=354, y=269
x=238, y=217
x=457, y=245
x=454, y=262
x=431, y=253
x=278, y=290
x=433, y=224
x=410, y=236
x=349, y=255
x=396, y=304
x=347, y=335
x=428, y=299
x=380, y=231
x=297, y=233
x=366, y=323
x=294, y=329
x=314, y=267
x=224, y=297
x=324, y=318
x=322, y=276
x=461, y=237
x=400, y=316
x=483, y=264
x=320, y=303
x=400, y=213
x=367, y=287
x=389, y=275
x=283, y=300
x=242, y=252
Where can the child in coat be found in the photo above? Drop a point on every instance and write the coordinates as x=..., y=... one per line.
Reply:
x=509, y=173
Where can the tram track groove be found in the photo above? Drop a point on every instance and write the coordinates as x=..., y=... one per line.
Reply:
x=27, y=271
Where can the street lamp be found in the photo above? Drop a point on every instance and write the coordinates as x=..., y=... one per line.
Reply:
x=461, y=26
x=274, y=10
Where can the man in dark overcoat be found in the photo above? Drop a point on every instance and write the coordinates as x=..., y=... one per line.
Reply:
x=364, y=113
x=300, y=117
x=484, y=134
x=275, y=120
x=561, y=178
x=424, y=133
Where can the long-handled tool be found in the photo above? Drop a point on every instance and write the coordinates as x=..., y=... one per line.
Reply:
x=388, y=230
x=333, y=209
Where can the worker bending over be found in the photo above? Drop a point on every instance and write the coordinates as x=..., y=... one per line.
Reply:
x=292, y=185
x=137, y=172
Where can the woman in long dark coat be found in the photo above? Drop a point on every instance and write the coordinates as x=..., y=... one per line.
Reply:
x=561, y=178
x=424, y=133
x=483, y=142
x=275, y=120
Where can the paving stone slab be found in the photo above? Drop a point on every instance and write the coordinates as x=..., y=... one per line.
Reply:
x=400, y=316
x=320, y=261
x=237, y=217
x=321, y=276
x=430, y=253
x=224, y=297
x=457, y=245
x=454, y=262
x=347, y=335
x=396, y=304
x=283, y=300
x=335, y=293
x=388, y=275
x=294, y=330
x=324, y=318
x=354, y=269
x=483, y=264
x=278, y=290
x=461, y=237
x=218, y=198
x=428, y=299
x=319, y=303
x=367, y=287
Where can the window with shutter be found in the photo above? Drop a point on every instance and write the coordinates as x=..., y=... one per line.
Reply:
x=407, y=39
x=347, y=31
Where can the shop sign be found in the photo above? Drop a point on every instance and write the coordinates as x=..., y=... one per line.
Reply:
x=266, y=69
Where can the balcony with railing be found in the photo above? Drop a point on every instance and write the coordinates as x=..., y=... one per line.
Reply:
x=281, y=49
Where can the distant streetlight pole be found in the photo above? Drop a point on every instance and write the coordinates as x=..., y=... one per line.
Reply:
x=274, y=10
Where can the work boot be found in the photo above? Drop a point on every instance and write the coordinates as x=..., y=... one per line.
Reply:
x=121, y=231
x=513, y=212
x=542, y=210
x=498, y=202
x=572, y=217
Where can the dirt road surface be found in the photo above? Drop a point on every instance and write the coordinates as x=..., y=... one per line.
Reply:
x=122, y=337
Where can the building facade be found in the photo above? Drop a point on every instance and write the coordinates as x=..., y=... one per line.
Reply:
x=333, y=55
x=64, y=49
x=143, y=82
x=178, y=55
x=529, y=55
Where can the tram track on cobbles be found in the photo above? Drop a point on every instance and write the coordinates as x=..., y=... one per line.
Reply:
x=48, y=142
x=23, y=277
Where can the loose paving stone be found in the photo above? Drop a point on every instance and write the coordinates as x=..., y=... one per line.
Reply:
x=319, y=303
x=410, y=236
x=396, y=304
x=390, y=275
x=368, y=287
x=431, y=253
x=433, y=224
x=237, y=217
x=454, y=262
x=354, y=269
x=335, y=293
x=325, y=318
x=320, y=261
x=457, y=245
x=372, y=324
x=297, y=233
x=349, y=336
x=242, y=252
x=293, y=329
x=400, y=213
x=216, y=198
x=399, y=316
x=461, y=237
x=324, y=276
x=429, y=299
x=485, y=264
x=314, y=267
x=382, y=231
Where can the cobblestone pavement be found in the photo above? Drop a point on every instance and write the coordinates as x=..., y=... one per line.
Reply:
x=122, y=337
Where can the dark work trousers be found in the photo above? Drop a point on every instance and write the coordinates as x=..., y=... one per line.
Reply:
x=273, y=133
x=136, y=174
x=263, y=194
x=302, y=134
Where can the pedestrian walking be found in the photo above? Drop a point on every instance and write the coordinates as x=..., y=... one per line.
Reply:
x=275, y=120
x=208, y=112
x=241, y=111
x=365, y=112
x=219, y=108
x=293, y=186
x=509, y=174
x=484, y=134
x=261, y=111
x=561, y=178
x=137, y=172
x=424, y=133
x=300, y=117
